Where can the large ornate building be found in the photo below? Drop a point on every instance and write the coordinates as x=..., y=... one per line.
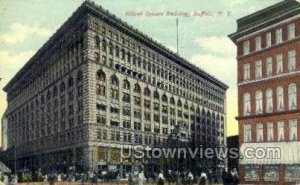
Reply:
x=98, y=84
x=268, y=86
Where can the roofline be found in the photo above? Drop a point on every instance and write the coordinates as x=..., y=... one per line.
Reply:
x=239, y=33
x=99, y=10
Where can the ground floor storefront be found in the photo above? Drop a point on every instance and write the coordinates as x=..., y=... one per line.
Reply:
x=270, y=163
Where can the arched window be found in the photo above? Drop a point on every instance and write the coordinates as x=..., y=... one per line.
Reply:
x=247, y=104
x=179, y=103
x=164, y=98
x=123, y=54
x=79, y=77
x=269, y=101
x=128, y=57
x=62, y=87
x=186, y=105
x=97, y=41
x=126, y=84
x=134, y=59
x=42, y=99
x=110, y=48
x=70, y=82
x=48, y=95
x=147, y=91
x=258, y=102
x=172, y=100
x=192, y=108
x=137, y=88
x=117, y=51
x=292, y=96
x=100, y=75
x=156, y=95
x=104, y=45
x=55, y=91
x=114, y=80
x=280, y=97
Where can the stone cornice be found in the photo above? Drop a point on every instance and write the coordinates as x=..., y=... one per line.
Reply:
x=112, y=20
x=265, y=17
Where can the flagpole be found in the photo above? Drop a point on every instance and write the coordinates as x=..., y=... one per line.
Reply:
x=177, y=34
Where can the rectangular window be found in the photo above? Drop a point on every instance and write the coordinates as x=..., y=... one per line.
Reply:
x=292, y=172
x=246, y=72
x=126, y=111
x=137, y=100
x=291, y=31
x=258, y=43
x=126, y=97
x=147, y=116
x=279, y=64
x=114, y=94
x=259, y=132
x=292, y=60
x=147, y=104
x=293, y=130
x=270, y=131
x=269, y=66
x=247, y=133
x=251, y=172
x=100, y=90
x=268, y=39
x=246, y=47
x=278, y=36
x=280, y=127
x=271, y=173
x=258, y=69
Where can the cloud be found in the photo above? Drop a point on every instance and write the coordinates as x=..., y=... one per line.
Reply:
x=221, y=67
x=232, y=3
x=217, y=45
x=20, y=32
x=217, y=57
x=10, y=63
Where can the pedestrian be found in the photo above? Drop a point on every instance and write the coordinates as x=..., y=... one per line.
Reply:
x=51, y=179
x=45, y=179
x=118, y=178
x=160, y=178
x=234, y=177
x=141, y=177
x=190, y=178
x=203, y=179
x=58, y=177
x=225, y=177
x=130, y=179
x=170, y=177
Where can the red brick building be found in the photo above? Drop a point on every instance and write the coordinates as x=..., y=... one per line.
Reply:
x=268, y=55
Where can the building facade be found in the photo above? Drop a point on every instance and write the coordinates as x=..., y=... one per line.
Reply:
x=268, y=88
x=99, y=84
x=233, y=145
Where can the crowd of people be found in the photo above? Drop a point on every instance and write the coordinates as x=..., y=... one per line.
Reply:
x=139, y=178
x=187, y=178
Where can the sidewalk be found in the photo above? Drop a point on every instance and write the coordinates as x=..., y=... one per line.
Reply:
x=99, y=183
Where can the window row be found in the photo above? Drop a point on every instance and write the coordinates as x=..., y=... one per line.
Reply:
x=271, y=172
x=269, y=129
x=178, y=76
x=269, y=39
x=278, y=98
x=270, y=67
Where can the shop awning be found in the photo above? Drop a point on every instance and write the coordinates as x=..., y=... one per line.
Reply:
x=270, y=153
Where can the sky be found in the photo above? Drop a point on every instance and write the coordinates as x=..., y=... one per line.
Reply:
x=203, y=28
